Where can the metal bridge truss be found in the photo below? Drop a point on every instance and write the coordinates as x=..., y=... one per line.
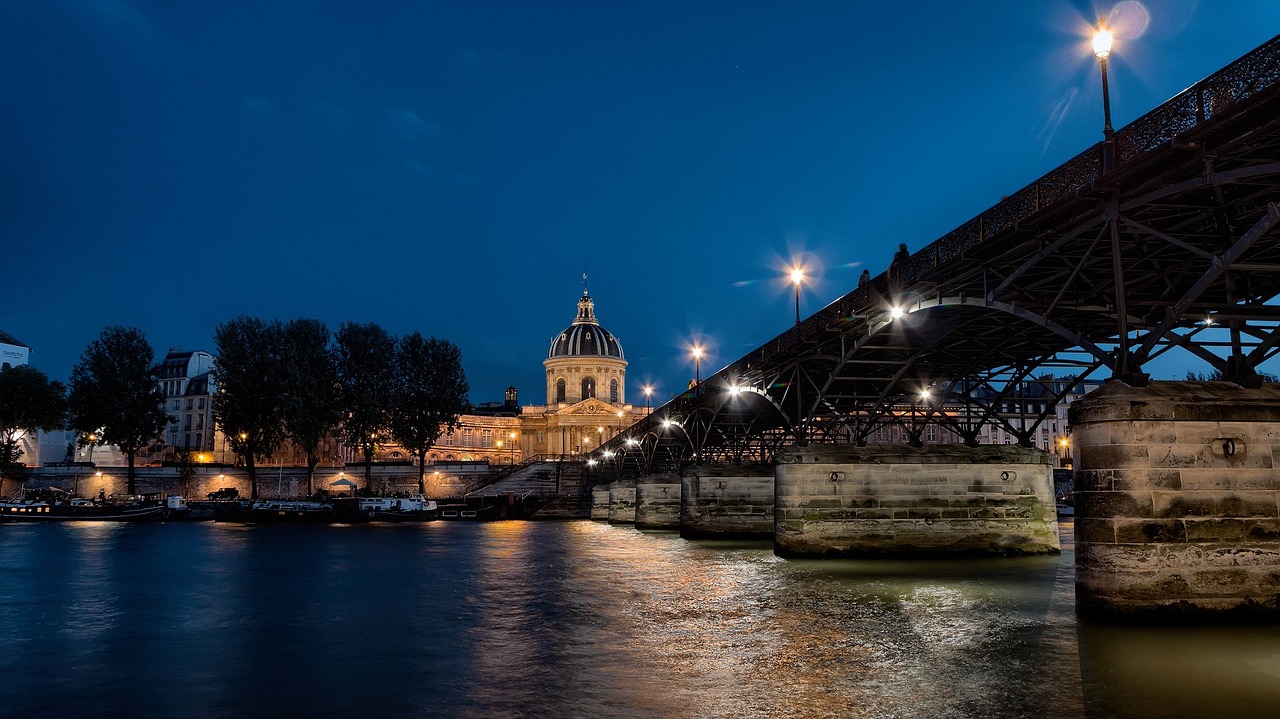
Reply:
x=1164, y=237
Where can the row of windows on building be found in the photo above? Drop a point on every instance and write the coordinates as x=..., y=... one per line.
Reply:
x=588, y=389
x=192, y=403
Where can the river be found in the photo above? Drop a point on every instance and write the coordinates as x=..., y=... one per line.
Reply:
x=572, y=619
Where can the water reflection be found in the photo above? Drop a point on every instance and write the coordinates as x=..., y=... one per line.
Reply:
x=514, y=619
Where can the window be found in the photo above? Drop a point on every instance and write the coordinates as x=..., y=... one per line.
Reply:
x=486, y=438
x=466, y=437
x=199, y=440
x=191, y=403
x=613, y=391
x=560, y=390
x=201, y=404
x=588, y=387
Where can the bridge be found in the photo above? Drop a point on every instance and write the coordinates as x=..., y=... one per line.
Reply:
x=1162, y=237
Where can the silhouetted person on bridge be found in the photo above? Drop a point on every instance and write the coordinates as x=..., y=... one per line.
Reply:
x=899, y=259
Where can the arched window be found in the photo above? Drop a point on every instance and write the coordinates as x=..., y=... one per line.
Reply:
x=613, y=391
x=588, y=387
x=560, y=390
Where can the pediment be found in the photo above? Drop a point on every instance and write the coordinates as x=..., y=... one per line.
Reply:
x=591, y=406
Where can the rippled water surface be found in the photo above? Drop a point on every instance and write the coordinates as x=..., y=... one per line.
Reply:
x=515, y=619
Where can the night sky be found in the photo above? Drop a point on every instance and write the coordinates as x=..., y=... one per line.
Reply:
x=455, y=168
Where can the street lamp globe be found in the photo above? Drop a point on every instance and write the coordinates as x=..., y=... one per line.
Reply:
x=1102, y=39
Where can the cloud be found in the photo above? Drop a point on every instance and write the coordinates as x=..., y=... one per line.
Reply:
x=410, y=125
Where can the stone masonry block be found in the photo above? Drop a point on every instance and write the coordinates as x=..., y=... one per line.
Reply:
x=1115, y=504
x=1139, y=531
x=1183, y=504
x=1247, y=504
x=1112, y=456
x=1215, y=530
x=1095, y=531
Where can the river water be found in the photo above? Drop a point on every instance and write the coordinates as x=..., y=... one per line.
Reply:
x=572, y=619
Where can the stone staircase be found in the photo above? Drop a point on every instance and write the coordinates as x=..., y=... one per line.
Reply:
x=536, y=478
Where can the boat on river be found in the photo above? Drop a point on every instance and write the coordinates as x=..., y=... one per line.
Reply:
x=414, y=508
x=78, y=509
x=275, y=511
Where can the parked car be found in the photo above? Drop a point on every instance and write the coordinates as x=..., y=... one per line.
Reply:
x=225, y=493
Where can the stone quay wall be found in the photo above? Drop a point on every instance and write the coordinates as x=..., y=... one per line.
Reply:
x=726, y=501
x=658, y=502
x=894, y=500
x=1178, y=500
x=273, y=482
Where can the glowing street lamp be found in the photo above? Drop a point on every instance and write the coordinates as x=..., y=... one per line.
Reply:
x=648, y=394
x=1102, y=39
x=797, y=276
x=512, y=444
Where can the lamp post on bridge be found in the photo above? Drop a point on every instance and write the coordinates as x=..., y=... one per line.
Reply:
x=648, y=394
x=697, y=369
x=1102, y=39
x=797, y=276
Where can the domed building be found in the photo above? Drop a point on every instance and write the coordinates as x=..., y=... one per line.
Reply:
x=586, y=404
x=586, y=375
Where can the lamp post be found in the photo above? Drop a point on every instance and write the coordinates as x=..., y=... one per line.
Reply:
x=797, y=276
x=697, y=369
x=511, y=442
x=648, y=394
x=1102, y=39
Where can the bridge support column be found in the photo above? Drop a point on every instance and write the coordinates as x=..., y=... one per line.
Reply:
x=726, y=501
x=894, y=500
x=1178, y=500
x=622, y=502
x=658, y=502
x=600, y=502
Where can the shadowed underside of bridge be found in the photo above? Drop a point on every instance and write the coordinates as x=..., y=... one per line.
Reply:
x=1165, y=237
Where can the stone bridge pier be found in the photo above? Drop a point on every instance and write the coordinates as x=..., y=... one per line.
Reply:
x=897, y=500
x=658, y=502
x=726, y=501
x=1177, y=500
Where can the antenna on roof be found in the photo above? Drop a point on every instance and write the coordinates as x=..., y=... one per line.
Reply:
x=584, y=284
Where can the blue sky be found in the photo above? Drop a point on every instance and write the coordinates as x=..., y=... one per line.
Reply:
x=454, y=168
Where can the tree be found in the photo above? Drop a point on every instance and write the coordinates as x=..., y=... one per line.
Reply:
x=115, y=395
x=310, y=402
x=249, y=375
x=365, y=356
x=186, y=472
x=430, y=394
x=29, y=402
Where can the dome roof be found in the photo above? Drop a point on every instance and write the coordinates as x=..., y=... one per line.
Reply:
x=585, y=337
